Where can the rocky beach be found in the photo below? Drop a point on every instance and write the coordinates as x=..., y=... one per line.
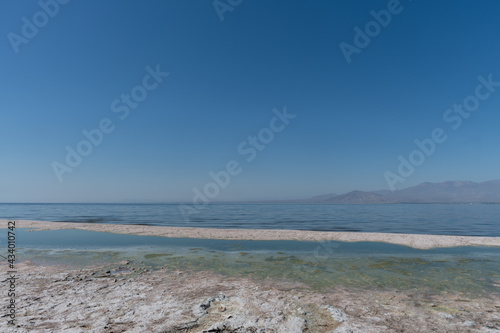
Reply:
x=130, y=299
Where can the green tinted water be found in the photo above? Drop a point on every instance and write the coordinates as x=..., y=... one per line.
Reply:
x=318, y=264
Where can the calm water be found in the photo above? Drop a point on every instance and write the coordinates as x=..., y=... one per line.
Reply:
x=318, y=264
x=441, y=219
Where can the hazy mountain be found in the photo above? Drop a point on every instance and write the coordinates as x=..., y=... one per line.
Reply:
x=445, y=192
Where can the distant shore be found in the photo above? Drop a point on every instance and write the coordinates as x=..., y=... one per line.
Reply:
x=419, y=241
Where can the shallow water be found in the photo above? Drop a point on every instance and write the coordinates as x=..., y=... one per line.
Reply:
x=318, y=264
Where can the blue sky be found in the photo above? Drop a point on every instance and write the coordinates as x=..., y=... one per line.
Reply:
x=353, y=120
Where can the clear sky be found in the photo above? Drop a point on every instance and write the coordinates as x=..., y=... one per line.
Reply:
x=67, y=67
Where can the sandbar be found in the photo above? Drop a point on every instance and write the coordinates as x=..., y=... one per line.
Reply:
x=419, y=241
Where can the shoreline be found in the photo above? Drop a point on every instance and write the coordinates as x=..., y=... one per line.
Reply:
x=124, y=299
x=418, y=241
x=127, y=295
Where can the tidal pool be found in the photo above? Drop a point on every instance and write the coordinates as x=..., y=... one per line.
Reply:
x=320, y=265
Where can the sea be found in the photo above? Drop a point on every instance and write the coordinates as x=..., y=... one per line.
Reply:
x=437, y=219
x=472, y=270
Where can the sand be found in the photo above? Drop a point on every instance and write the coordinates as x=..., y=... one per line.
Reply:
x=412, y=240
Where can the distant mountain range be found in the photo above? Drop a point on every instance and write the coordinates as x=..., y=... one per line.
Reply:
x=446, y=192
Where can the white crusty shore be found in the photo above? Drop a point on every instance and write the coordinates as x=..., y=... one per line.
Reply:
x=412, y=240
x=126, y=297
x=113, y=300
